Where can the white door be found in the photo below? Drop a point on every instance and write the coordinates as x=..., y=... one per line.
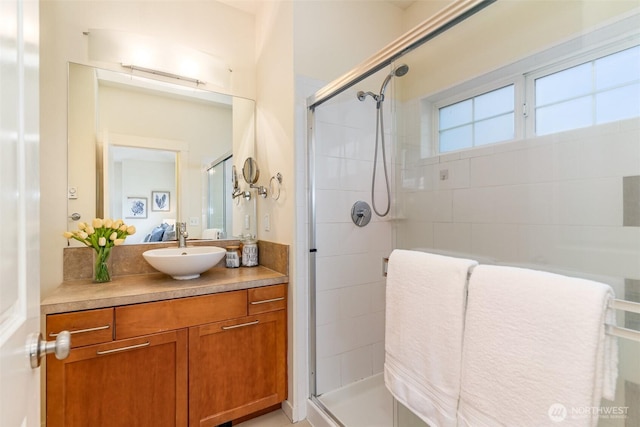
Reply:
x=19, y=211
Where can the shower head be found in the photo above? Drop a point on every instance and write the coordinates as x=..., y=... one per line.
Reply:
x=399, y=71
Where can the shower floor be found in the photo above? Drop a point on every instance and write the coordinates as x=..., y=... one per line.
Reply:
x=365, y=403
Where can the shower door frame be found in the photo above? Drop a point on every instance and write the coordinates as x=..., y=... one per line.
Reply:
x=447, y=18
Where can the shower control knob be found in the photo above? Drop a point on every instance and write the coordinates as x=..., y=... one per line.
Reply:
x=361, y=213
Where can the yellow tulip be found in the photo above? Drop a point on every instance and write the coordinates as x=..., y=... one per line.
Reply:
x=123, y=227
x=67, y=234
x=82, y=235
x=131, y=230
x=117, y=223
x=118, y=242
x=113, y=236
x=108, y=223
x=82, y=226
x=102, y=241
x=97, y=223
x=90, y=230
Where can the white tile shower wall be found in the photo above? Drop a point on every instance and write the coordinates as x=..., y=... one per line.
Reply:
x=350, y=287
x=553, y=201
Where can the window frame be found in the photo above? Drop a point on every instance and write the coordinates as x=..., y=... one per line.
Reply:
x=562, y=65
x=516, y=81
x=522, y=74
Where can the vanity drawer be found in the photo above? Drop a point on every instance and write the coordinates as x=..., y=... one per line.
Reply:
x=153, y=317
x=86, y=327
x=268, y=298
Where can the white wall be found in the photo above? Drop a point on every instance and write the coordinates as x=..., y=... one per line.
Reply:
x=208, y=26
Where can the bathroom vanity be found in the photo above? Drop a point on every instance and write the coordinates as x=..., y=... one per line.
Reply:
x=148, y=350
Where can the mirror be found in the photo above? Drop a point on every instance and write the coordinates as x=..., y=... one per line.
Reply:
x=250, y=171
x=154, y=152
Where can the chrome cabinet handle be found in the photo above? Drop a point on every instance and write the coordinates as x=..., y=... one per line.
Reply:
x=130, y=347
x=264, y=301
x=241, y=325
x=81, y=331
x=38, y=347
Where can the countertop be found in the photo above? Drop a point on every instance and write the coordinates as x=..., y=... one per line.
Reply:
x=123, y=290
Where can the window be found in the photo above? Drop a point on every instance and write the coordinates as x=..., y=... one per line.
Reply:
x=480, y=120
x=600, y=91
x=583, y=89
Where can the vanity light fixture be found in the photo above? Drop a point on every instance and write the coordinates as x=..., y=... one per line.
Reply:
x=160, y=57
x=163, y=73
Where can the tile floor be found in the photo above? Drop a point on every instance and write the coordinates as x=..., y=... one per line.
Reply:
x=273, y=419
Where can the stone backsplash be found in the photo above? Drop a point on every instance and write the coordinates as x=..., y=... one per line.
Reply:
x=127, y=260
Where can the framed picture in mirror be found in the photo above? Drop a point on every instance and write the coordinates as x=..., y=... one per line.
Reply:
x=160, y=201
x=136, y=207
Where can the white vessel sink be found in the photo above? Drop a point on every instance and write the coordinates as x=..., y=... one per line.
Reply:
x=184, y=263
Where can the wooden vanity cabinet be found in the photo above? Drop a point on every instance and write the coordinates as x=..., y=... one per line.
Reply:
x=138, y=382
x=236, y=368
x=196, y=361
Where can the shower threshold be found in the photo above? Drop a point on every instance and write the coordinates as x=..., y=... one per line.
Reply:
x=364, y=403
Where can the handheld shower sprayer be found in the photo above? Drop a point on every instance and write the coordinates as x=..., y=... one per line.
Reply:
x=399, y=71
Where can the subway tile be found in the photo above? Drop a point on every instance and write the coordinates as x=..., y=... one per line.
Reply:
x=415, y=234
x=369, y=328
x=356, y=365
x=378, y=354
x=454, y=237
x=335, y=205
x=355, y=301
x=592, y=202
x=495, y=241
x=327, y=306
x=337, y=337
x=349, y=270
x=497, y=169
x=327, y=374
x=613, y=251
x=458, y=175
x=611, y=156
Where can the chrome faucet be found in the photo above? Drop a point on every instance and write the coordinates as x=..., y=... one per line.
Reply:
x=182, y=234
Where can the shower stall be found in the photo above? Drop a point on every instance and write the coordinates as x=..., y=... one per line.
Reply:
x=562, y=197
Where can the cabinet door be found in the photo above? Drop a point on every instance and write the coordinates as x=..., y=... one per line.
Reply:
x=139, y=382
x=236, y=368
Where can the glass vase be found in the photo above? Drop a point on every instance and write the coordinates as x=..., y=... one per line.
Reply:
x=101, y=269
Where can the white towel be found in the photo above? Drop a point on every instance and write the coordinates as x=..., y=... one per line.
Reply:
x=425, y=307
x=535, y=349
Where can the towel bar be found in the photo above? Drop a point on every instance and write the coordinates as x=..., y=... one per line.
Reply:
x=620, y=332
x=624, y=305
x=617, y=331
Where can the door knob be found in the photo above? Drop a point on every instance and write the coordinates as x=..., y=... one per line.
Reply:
x=39, y=347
